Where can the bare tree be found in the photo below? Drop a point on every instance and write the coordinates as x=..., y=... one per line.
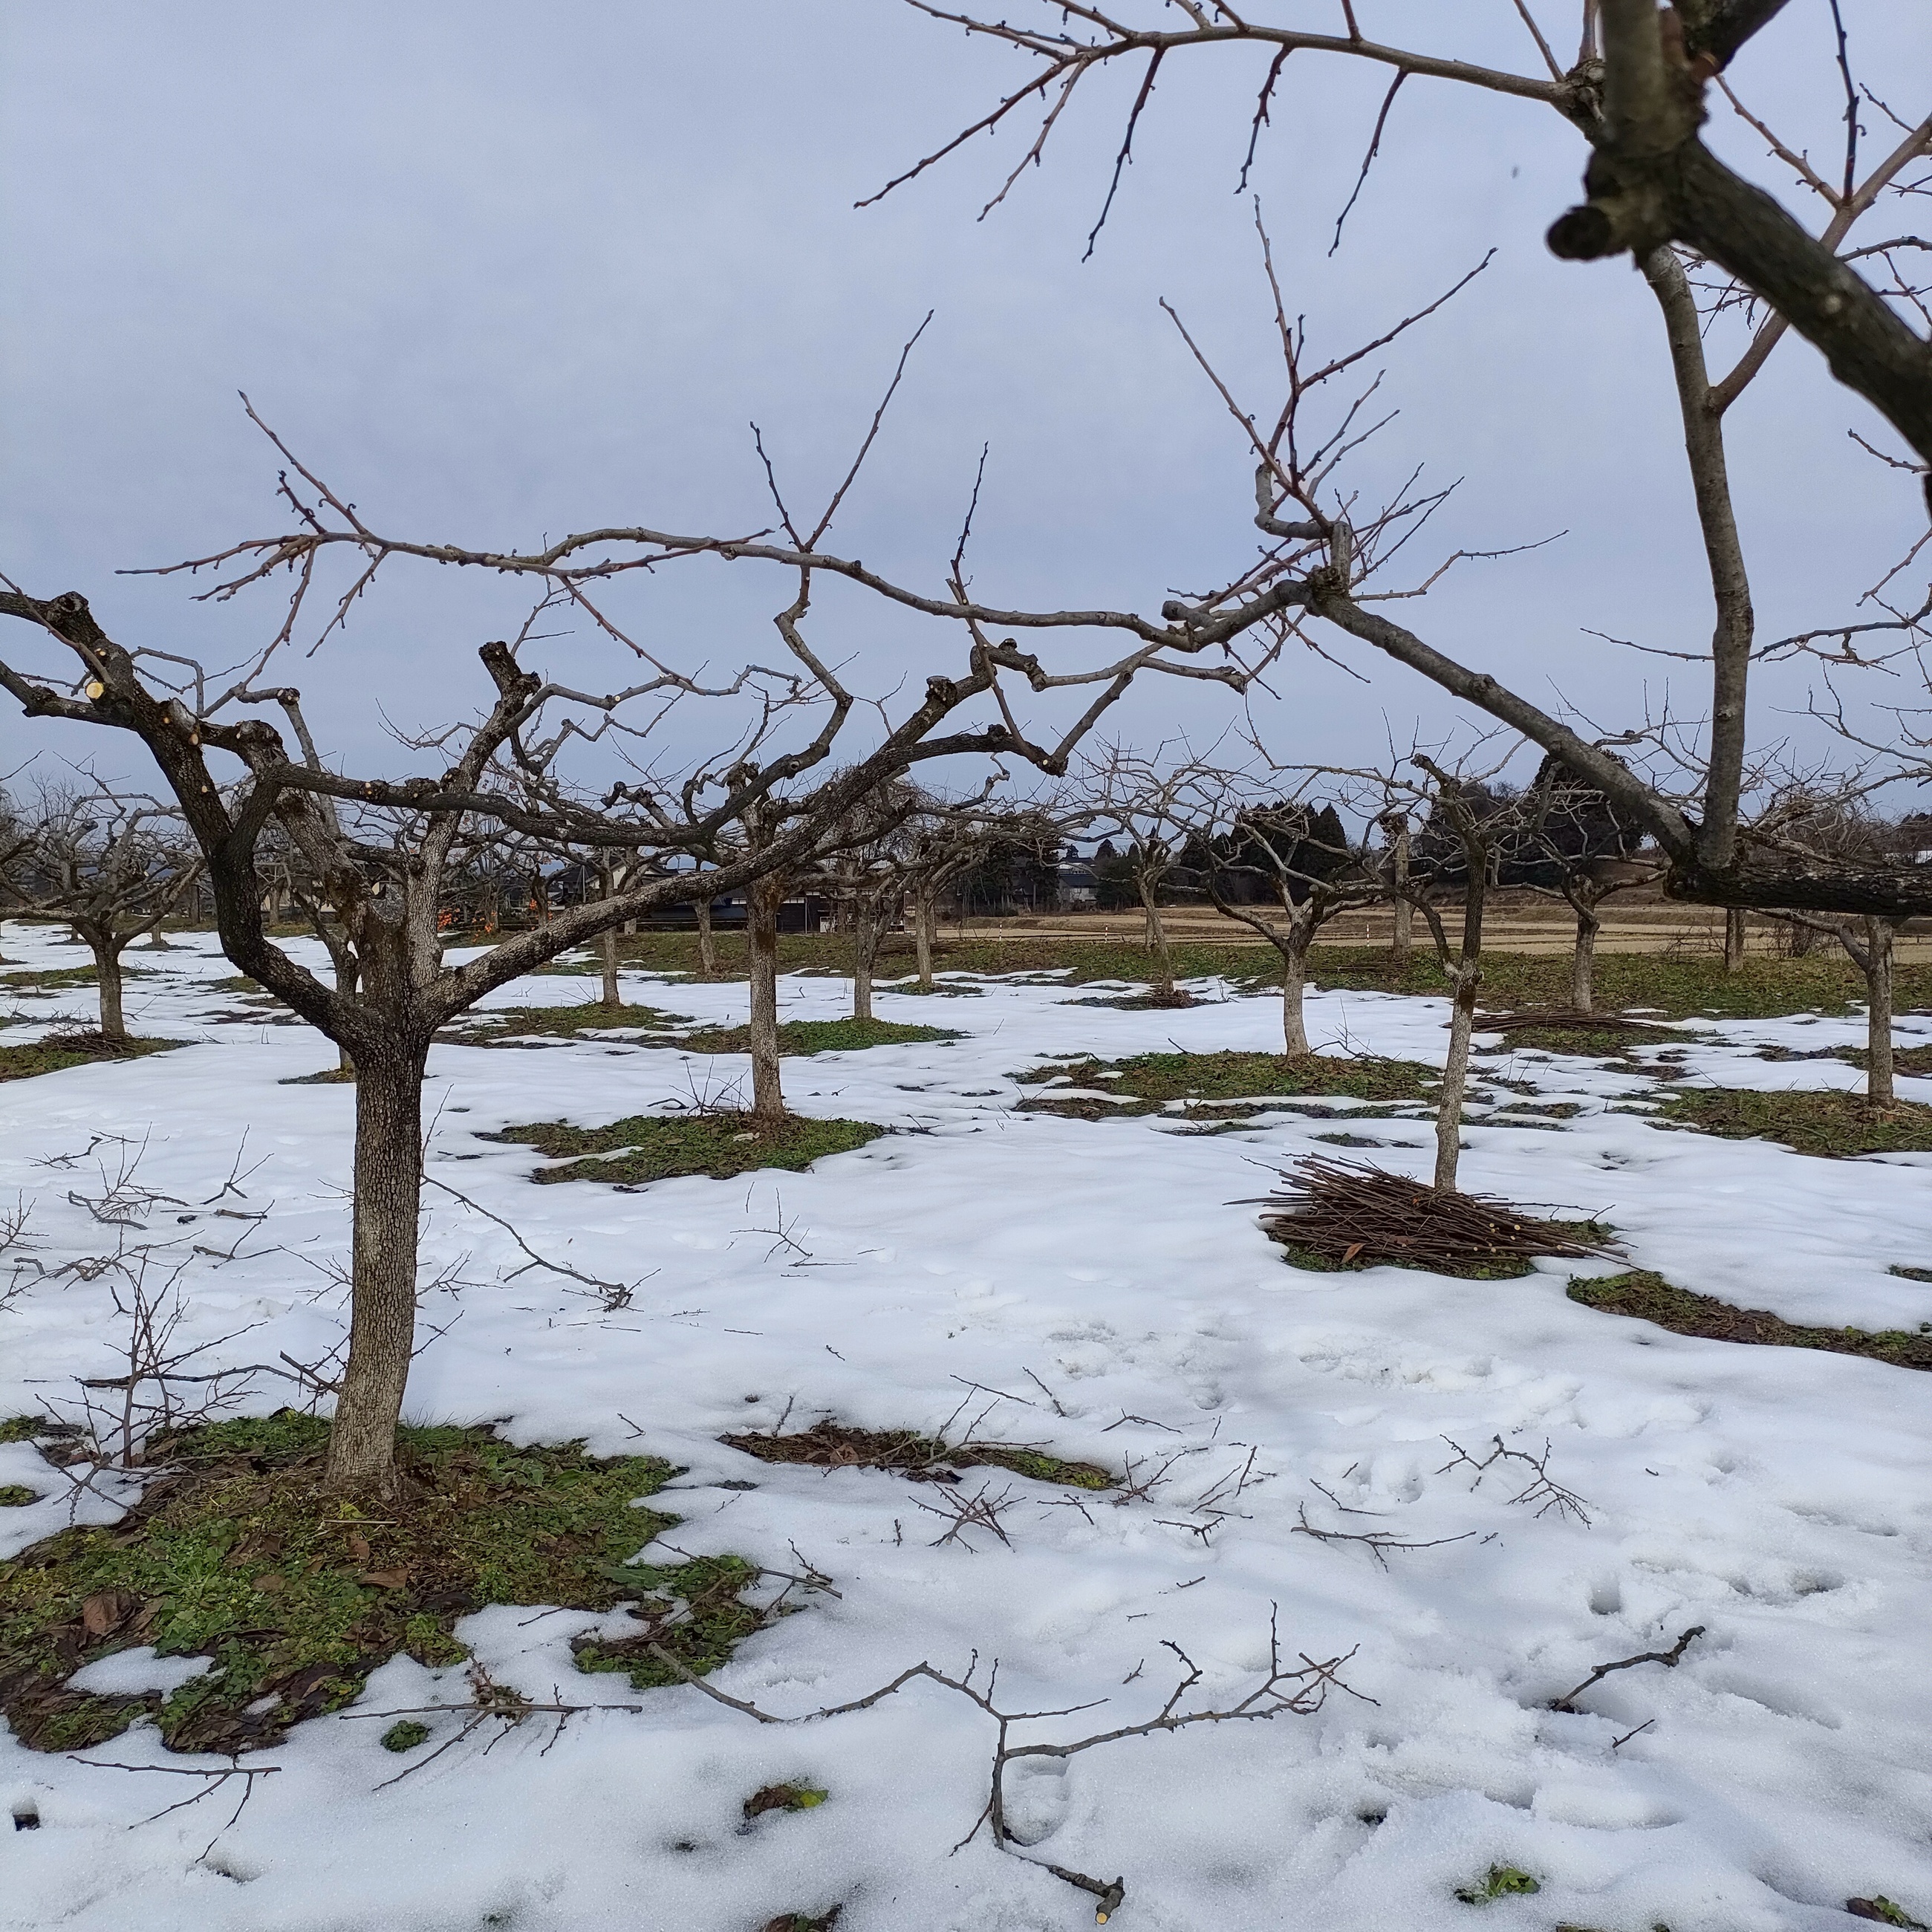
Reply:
x=1150, y=800
x=1284, y=870
x=1637, y=94
x=739, y=820
x=866, y=876
x=112, y=867
x=1470, y=826
x=1576, y=846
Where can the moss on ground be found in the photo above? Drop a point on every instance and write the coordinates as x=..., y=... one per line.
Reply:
x=234, y=1554
x=1649, y=1298
x=833, y=1445
x=659, y=1147
x=1832, y=1124
x=1148, y=1081
x=802, y=1037
x=1499, y=1881
x=1589, y=1042
x=16, y=1495
x=58, y=1051
x=50, y=978
x=504, y=1025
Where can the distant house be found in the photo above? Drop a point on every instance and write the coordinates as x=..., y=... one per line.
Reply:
x=1078, y=888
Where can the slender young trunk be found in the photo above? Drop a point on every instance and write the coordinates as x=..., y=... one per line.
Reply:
x=707, y=941
x=864, y=944
x=924, y=917
x=1294, y=983
x=157, y=941
x=1404, y=939
x=107, y=971
x=1734, y=938
x=1157, y=940
x=382, y=1336
x=1584, y=959
x=761, y=929
x=348, y=970
x=1467, y=976
x=1879, y=935
x=607, y=943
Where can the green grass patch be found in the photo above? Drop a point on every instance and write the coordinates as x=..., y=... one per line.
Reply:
x=16, y=1495
x=405, y=1735
x=58, y=1051
x=234, y=1554
x=659, y=1147
x=800, y=1038
x=1148, y=1082
x=1649, y=1298
x=22, y=1428
x=1499, y=1881
x=1831, y=1124
x=1677, y=986
x=49, y=979
x=1588, y=1042
x=329, y=1076
x=833, y=1445
x=504, y=1025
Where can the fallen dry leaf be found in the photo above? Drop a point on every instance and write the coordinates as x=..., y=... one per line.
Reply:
x=359, y=1549
x=271, y=1583
x=386, y=1580
x=107, y=1610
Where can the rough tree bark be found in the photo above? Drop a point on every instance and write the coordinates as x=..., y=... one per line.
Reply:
x=925, y=917
x=107, y=949
x=762, y=899
x=389, y=1199
x=707, y=941
x=1157, y=942
x=1403, y=942
x=1583, y=899
x=1734, y=939
x=866, y=922
x=1871, y=948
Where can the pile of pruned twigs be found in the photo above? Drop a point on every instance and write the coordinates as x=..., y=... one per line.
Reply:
x=1342, y=1214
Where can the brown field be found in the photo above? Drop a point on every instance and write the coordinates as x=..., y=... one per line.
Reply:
x=1517, y=922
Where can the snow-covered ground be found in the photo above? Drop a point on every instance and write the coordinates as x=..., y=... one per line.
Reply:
x=1108, y=1277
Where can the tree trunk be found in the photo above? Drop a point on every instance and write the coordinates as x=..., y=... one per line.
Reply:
x=1734, y=938
x=1404, y=939
x=707, y=941
x=1584, y=959
x=388, y=1194
x=762, y=903
x=1456, y=1075
x=613, y=993
x=1157, y=940
x=1293, y=982
x=1880, y=934
x=924, y=917
x=107, y=971
x=864, y=944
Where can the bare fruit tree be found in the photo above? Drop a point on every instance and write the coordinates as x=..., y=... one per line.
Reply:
x=112, y=867
x=1576, y=847
x=1284, y=870
x=1470, y=830
x=381, y=847
x=1709, y=242
x=1152, y=803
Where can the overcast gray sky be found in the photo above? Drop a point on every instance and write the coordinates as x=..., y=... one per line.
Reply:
x=501, y=271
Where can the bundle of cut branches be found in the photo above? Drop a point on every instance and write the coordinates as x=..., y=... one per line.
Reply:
x=1346, y=1215
x=1552, y=1018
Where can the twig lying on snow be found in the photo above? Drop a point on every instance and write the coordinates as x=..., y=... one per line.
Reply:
x=616, y=1294
x=1544, y=1490
x=1377, y=1542
x=1300, y=1692
x=247, y=1776
x=1669, y=1659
